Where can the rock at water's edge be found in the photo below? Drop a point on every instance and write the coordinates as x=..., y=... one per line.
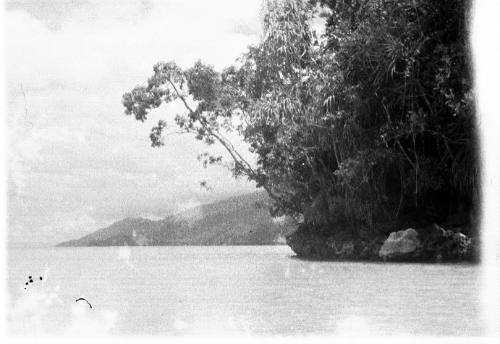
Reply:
x=400, y=244
x=427, y=244
x=308, y=243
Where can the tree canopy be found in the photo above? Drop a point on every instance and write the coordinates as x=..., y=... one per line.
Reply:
x=368, y=126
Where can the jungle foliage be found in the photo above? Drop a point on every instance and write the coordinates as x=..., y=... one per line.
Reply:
x=367, y=127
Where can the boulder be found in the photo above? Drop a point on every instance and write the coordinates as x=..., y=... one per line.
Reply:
x=433, y=238
x=462, y=246
x=308, y=242
x=402, y=244
x=442, y=245
x=340, y=250
x=370, y=248
x=347, y=250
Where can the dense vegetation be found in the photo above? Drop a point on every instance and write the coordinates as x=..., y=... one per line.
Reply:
x=364, y=129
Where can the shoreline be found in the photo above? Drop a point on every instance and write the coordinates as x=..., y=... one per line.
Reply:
x=431, y=244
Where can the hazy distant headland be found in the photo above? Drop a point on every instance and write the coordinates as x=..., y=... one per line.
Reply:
x=240, y=220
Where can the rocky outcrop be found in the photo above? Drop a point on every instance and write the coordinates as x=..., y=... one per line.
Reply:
x=439, y=244
x=428, y=244
x=402, y=244
x=307, y=243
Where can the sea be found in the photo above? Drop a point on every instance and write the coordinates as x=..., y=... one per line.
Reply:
x=233, y=290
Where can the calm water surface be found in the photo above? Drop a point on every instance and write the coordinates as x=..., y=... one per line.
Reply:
x=234, y=290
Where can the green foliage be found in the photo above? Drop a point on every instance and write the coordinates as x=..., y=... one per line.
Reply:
x=408, y=66
x=372, y=123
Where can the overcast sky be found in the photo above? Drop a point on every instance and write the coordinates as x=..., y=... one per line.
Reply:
x=76, y=162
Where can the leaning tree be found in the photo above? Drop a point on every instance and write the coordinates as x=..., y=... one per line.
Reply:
x=368, y=125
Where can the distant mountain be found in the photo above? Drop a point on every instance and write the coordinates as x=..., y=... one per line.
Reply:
x=240, y=220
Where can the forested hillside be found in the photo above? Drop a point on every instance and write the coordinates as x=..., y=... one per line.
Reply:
x=240, y=220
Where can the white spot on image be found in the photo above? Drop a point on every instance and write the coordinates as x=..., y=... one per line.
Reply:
x=352, y=326
x=28, y=313
x=124, y=253
x=180, y=325
x=88, y=322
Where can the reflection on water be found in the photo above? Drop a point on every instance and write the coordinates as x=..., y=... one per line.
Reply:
x=235, y=290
